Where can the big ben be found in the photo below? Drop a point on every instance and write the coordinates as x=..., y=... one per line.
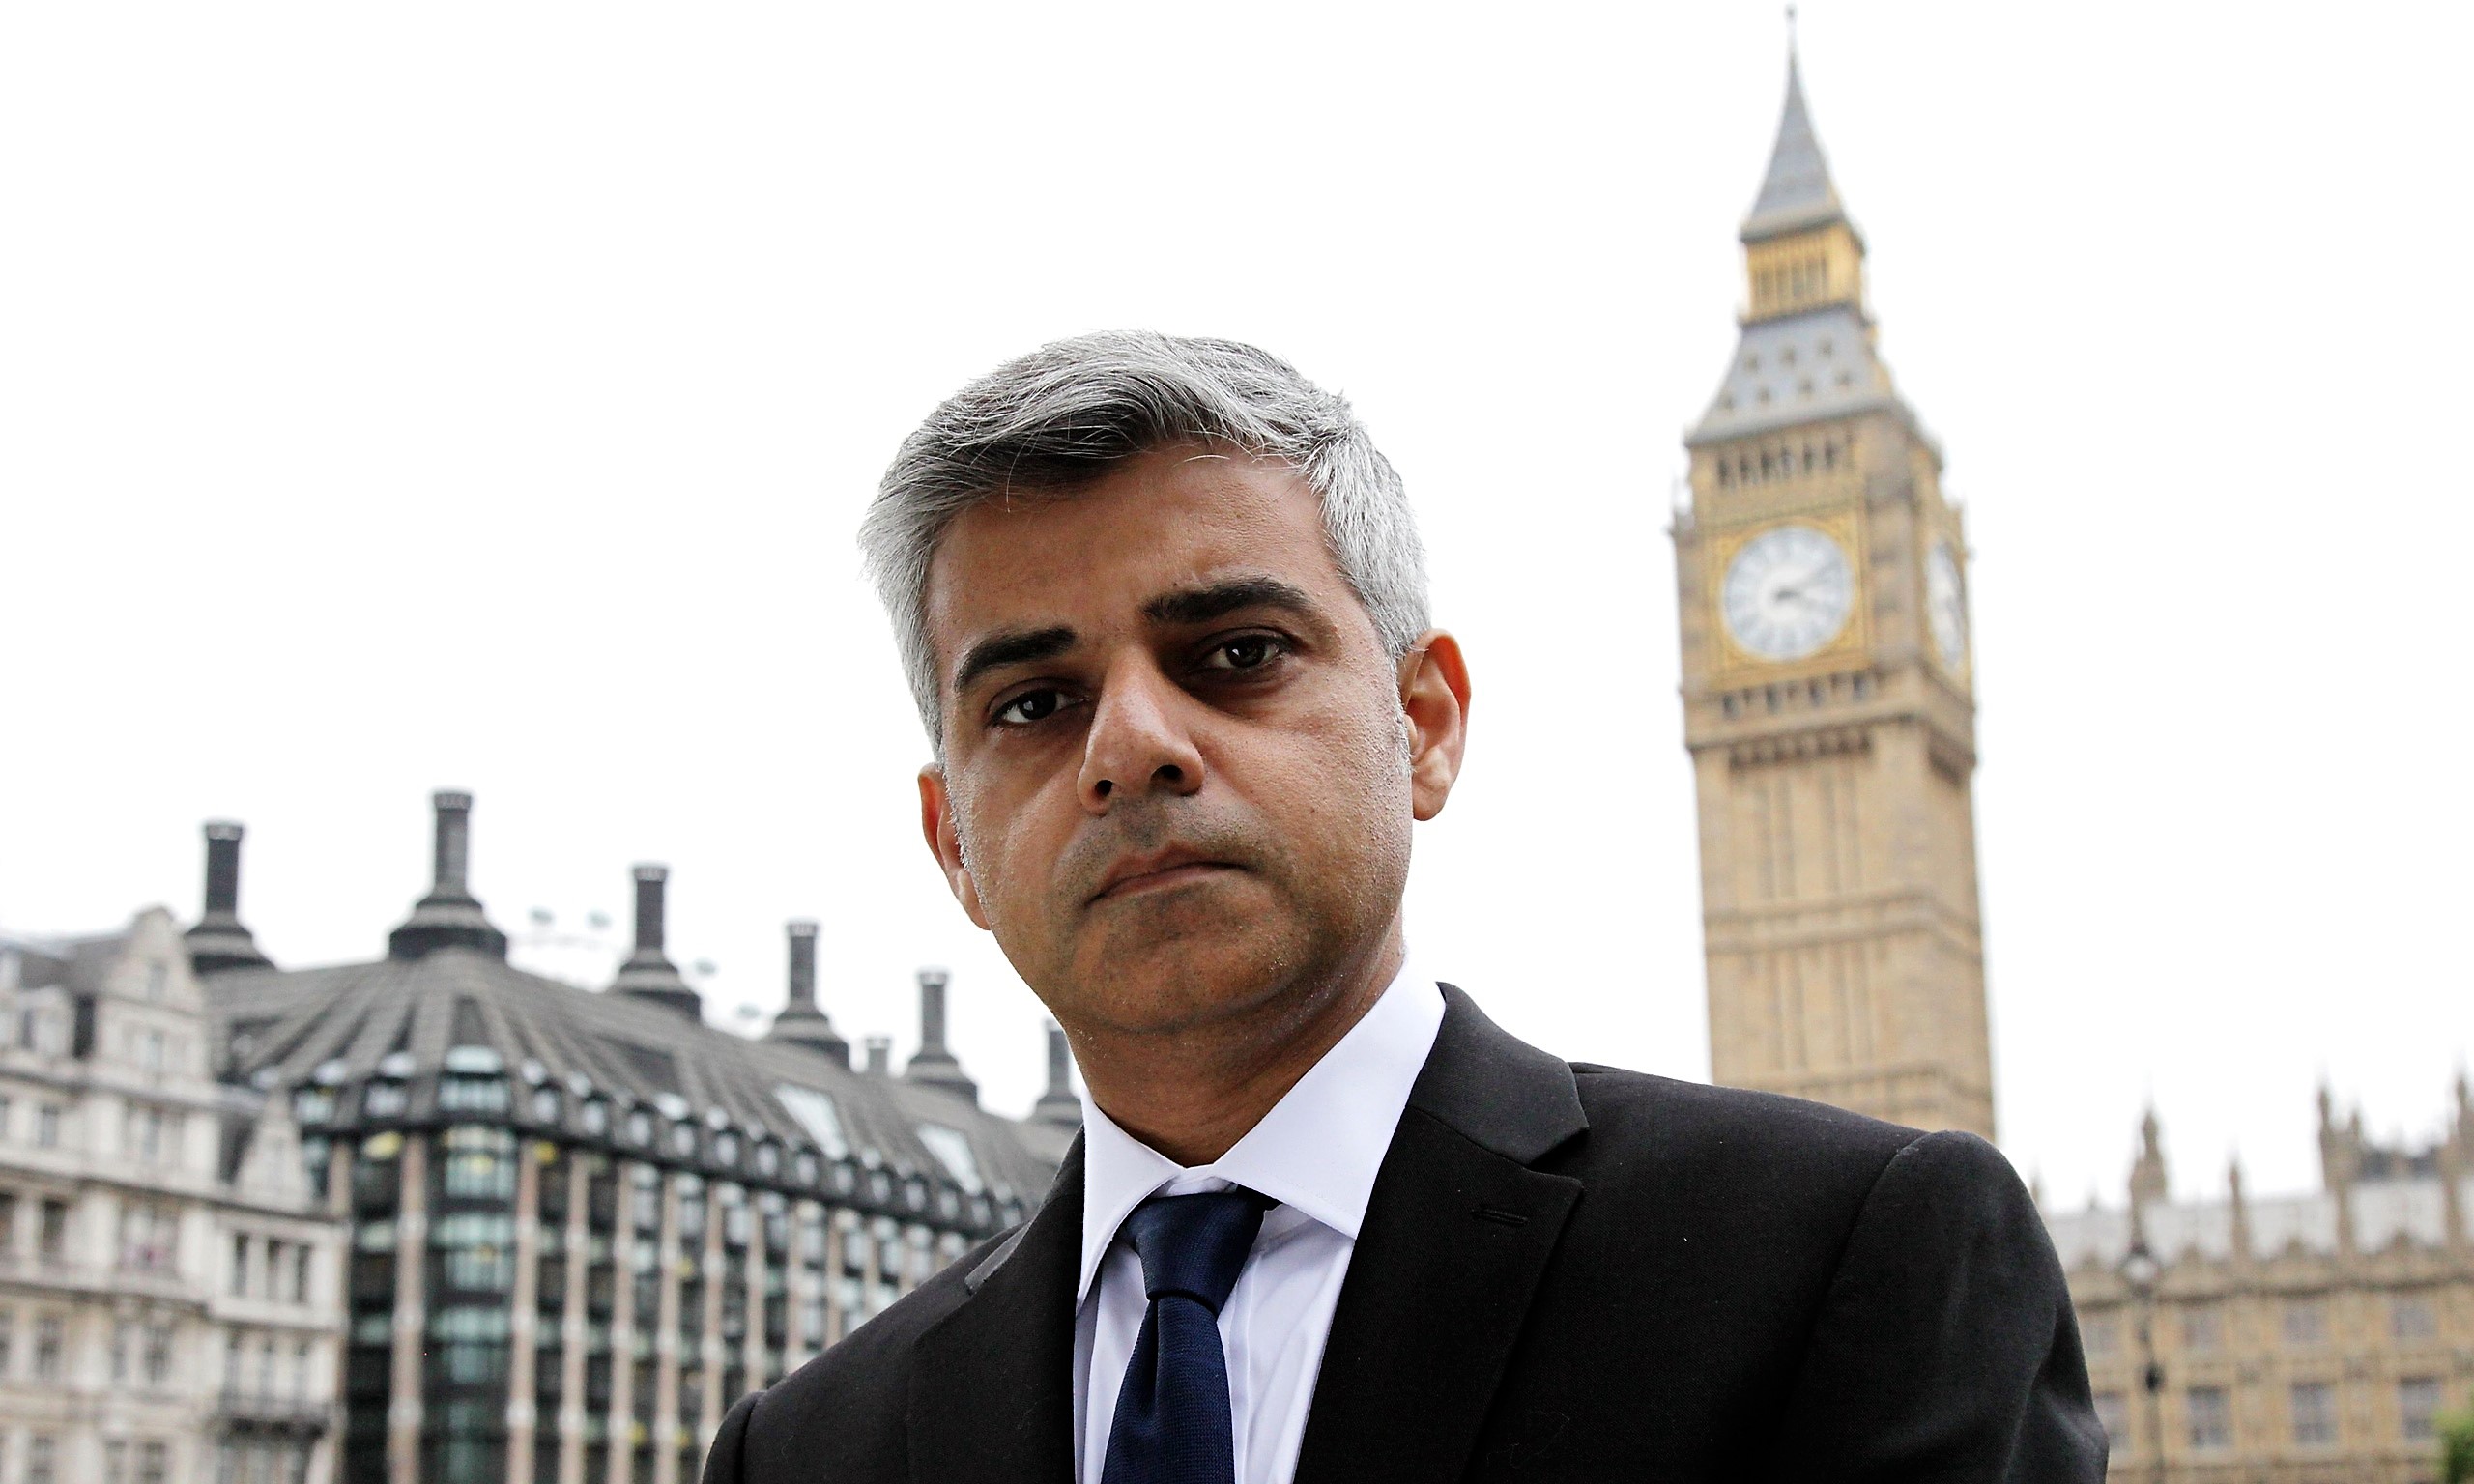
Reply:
x=1828, y=693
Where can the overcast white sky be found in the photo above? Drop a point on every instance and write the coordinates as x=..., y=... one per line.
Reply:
x=484, y=396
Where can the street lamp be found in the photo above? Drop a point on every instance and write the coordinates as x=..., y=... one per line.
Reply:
x=2139, y=1270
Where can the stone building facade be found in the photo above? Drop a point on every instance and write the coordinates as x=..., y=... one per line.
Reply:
x=583, y=1224
x=2286, y=1340
x=169, y=1284
x=1829, y=704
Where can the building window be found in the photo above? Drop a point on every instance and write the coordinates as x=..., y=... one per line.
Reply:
x=48, y=1335
x=647, y=1201
x=42, y=1459
x=2417, y=1405
x=239, y=1264
x=477, y=1252
x=149, y=1237
x=2211, y=1418
x=2412, y=1317
x=47, y=1127
x=301, y=1273
x=2306, y=1322
x=52, y=1239
x=473, y=1095
x=8, y=1223
x=158, y=1354
x=116, y=1461
x=2314, y=1414
x=154, y=1463
x=8, y=1338
x=2202, y=1328
x=480, y=1163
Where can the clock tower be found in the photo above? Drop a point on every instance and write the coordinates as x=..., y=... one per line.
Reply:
x=1827, y=694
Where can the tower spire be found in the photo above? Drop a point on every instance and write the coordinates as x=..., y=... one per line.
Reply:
x=1795, y=190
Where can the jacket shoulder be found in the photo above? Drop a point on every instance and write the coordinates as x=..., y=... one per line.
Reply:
x=1697, y=1117
x=1730, y=1161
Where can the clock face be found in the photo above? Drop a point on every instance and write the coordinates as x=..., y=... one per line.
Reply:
x=1787, y=593
x=1945, y=605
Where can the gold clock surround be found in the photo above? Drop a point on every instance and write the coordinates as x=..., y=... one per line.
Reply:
x=1855, y=636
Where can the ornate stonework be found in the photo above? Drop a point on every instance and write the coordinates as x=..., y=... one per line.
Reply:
x=2285, y=1339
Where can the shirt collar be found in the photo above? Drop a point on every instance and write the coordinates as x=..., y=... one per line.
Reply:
x=1318, y=1148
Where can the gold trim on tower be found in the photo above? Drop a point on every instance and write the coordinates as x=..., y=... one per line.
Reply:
x=1855, y=636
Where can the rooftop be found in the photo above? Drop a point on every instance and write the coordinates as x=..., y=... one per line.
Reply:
x=444, y=1028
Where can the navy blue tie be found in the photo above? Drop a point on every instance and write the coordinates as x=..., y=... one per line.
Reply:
x=1172, y=1423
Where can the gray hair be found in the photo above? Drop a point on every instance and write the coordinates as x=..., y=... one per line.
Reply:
x=1059, y=420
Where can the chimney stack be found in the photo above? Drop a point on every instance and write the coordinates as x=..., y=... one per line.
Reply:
x=220, y=941
x=879, y=1055
x=801, y=1022
x=648, y=974
x=935, y=1066
x=1058, y=1105
x=449, y=915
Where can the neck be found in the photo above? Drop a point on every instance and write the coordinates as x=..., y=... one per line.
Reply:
x=1192, y=1095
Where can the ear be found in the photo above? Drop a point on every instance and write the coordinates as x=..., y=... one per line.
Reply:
x=945, y=841
x=1434, y=697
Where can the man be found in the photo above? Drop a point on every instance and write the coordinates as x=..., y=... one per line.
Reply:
x=1163, y=608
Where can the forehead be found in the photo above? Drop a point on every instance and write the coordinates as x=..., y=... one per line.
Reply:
x=1164, y=520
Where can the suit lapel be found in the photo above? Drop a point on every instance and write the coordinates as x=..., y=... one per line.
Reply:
x=991, y=1398
x=1458, y=1233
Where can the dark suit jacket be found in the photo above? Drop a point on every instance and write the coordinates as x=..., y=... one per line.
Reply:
x=1565, y=1272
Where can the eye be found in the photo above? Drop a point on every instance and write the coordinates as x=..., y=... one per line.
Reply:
x=1246, y=651
x=1028, y=707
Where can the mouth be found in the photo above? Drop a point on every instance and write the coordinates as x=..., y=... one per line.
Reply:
x=1157, y=873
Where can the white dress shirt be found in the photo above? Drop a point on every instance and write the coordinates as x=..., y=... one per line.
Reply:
x=1317, y=1153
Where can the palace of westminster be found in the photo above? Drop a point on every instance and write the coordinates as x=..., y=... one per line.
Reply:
x=433, y=1219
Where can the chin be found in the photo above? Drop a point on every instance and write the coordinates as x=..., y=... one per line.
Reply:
x=1165, y=981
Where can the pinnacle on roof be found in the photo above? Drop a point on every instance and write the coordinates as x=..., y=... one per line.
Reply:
x=648, y=974
x=450, y=915
x=221, y=940
x=801, y=1021
x=1795, y=193
x=934, y=1065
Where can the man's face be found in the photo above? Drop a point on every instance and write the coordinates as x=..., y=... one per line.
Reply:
x=1178, y=775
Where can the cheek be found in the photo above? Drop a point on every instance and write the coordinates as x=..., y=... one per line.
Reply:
x=1008, y=845
x=1346, y=793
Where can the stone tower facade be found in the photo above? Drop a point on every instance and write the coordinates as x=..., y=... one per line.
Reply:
x=1827, y=696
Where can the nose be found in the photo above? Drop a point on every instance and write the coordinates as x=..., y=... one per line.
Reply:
x=1137, y=743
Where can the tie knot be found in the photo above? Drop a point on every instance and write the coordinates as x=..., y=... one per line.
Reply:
x=1194, y=1246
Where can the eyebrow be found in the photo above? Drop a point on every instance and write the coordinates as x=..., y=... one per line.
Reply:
x=1217, y=600
x=1011, y=646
